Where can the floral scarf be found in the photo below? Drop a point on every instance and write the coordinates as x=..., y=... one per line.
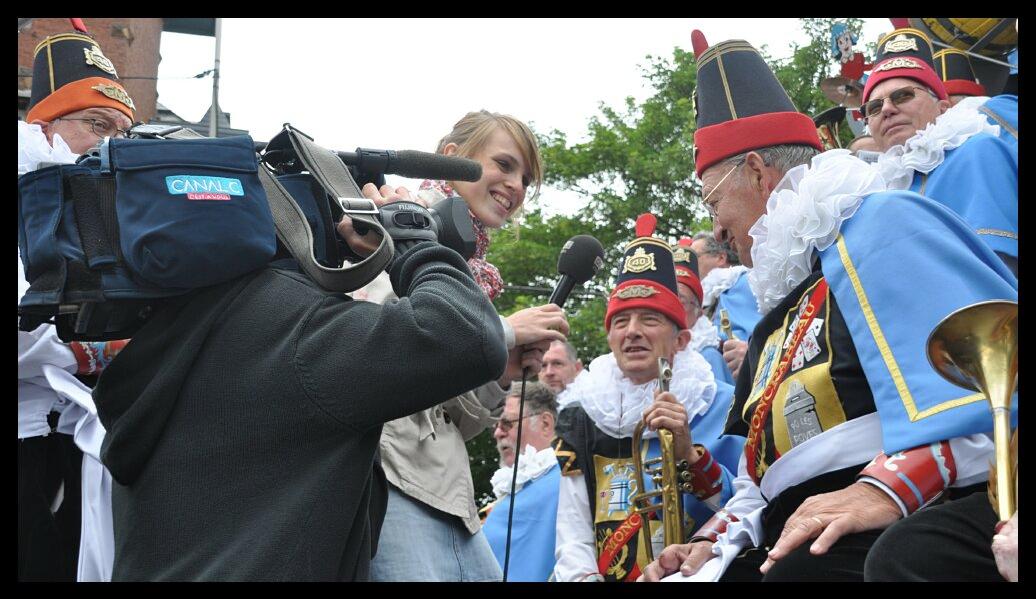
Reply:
x=486, y=275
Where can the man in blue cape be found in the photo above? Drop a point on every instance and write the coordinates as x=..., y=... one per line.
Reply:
x=959, y=156
x=536, y=487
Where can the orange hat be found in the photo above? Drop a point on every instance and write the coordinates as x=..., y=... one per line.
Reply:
x=70, y=73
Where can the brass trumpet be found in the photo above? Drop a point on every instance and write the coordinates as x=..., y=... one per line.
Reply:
x=664, y=476
x=976, y=347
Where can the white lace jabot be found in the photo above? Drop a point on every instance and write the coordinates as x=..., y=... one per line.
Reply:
x=719, y=280
x=616, y=404
x=703, y=334
x=532, y=464
x=803, y=215
x=927, y=148
x=33, y=148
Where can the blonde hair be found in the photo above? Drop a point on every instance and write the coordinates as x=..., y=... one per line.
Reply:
x=472, y=132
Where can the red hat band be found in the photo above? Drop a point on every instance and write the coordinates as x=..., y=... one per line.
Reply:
x=715, y=143
x=647, y=294
x=687, y=277
x=908, y=67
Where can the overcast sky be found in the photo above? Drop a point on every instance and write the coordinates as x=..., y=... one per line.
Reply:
x=403, y=83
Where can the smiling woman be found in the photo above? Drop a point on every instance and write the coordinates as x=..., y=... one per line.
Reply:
x=431, y=530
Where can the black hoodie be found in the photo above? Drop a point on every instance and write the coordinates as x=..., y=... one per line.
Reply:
x=243, y=420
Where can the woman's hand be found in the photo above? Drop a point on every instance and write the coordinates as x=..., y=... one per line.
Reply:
x=521, y=357
x=540, y=323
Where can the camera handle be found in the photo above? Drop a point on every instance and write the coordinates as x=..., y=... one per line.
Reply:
x=293, y=229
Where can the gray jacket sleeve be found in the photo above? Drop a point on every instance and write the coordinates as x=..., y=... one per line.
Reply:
x=365, y=364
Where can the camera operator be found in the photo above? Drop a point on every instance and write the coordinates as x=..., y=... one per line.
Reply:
x=432, y=530
x=64, y=507
x=244, y=417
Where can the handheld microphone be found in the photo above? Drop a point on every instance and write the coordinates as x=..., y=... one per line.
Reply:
x=580, y=259
x=413, y=164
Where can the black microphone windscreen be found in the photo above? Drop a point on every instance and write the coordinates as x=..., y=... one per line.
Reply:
x=581, y=258
x=423, y=165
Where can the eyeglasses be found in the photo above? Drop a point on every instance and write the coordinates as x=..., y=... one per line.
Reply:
x=900, y=96
x=506, y=425
x=100, y=128
x=711, y=207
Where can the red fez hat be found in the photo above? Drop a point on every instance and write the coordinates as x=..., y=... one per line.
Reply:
x=954, y=68
x=739, y=105
x=905, y=53
x=686, y=263
x=647, y=277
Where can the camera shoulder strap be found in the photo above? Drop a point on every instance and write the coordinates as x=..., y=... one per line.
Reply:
x=294, y=231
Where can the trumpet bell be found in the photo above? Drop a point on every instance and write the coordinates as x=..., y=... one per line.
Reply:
x=976, y=348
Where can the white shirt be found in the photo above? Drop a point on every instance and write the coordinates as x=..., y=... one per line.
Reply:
x=46, y=383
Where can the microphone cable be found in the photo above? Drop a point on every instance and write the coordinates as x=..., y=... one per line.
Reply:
x=514, y=473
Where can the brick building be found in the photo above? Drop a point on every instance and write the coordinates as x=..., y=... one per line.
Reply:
x=131, y=44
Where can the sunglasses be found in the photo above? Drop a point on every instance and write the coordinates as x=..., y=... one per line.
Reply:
x=900, y=96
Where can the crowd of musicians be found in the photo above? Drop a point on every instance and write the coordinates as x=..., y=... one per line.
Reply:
x=773, y=372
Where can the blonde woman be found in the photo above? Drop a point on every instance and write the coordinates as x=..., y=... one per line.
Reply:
x=431, y=530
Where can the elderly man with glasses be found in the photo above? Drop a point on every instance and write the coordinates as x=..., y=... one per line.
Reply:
x=64, y=513
x=536, y=489
x=849, y=429
x=956, y=156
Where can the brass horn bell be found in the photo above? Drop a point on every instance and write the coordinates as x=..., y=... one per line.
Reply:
x=976, y=348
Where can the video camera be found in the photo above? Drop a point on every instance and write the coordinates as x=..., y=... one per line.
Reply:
x=166, y=211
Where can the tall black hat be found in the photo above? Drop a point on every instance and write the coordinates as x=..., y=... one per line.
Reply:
x=647, y=277
x=905, y=52
x=954, y=68
x=70, y=73
x=740, y=105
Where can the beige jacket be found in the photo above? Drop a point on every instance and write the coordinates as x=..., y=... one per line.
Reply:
x=423, y=454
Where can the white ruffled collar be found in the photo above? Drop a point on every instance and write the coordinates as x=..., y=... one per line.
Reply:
x=703, y=334
x=803, y=215
x=532, y=464
x=33, y=148
x=719, y=280
x=927, y=148
x=616, y=404
x=807, y=208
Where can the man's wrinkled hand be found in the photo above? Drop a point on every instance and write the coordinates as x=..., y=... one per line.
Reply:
x=734, y=354
x=686, y=559
x=830, y=516
x=668, y=413
x=1005, y=549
